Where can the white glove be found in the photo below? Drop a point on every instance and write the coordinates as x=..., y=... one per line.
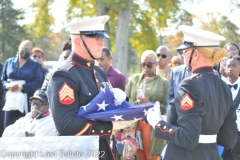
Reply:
x=119, y=96
x=154, y=115
x=122, y=124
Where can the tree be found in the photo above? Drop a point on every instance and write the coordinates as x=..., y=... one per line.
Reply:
x=11, y=32
x=122, y=35
x=43, y=19
x=133, y=24
x=222, y=25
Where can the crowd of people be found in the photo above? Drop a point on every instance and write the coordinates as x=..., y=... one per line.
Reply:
x=196, y=95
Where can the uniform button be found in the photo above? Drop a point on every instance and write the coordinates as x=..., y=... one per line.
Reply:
x=164, y=127
x=88, y=64
x=101, y=88
x=93, y=131
x=109, y=131
x=96, y=80
x=101, y=131
x=159, y=125
x=170, y=130
x=89, y=94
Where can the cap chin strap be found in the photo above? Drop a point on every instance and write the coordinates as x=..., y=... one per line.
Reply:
x=89, y=53
x=190, y=60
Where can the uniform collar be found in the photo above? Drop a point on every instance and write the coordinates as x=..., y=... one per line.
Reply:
x=81, y=61
x=204, y=69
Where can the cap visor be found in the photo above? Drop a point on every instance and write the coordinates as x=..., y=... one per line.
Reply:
x=37, y=97
x=183, y=46
x=99, y=35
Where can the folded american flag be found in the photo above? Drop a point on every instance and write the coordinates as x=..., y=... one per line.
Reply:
x=102, y=108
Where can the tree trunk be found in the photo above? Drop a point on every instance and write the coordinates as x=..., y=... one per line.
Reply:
x=102, y=10
x=122, y=35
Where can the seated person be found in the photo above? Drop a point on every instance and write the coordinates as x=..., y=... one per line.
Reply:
x=36, y=123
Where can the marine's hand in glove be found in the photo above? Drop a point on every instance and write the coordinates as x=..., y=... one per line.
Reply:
x=119, y=96
x=154, y=115
x=122, y=124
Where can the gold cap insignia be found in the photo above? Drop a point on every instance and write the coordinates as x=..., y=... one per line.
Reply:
x=88, y=64
x=104, y=20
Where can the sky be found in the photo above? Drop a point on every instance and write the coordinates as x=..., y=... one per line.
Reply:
x=59, y=7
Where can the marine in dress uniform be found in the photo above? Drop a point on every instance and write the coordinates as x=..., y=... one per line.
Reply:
x=202, y=113
x=78, y=81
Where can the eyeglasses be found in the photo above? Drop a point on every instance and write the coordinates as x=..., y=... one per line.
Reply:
x=38, y=104
x=149, y=65
x=161, y=54
x=232, y=50
x=35, y=56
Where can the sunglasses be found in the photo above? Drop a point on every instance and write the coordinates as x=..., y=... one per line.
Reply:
x=37, y=56
x=149, y=65
x=161, y=54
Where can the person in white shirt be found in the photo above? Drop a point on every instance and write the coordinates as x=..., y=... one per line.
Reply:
x=233, y=70
x=37, y=123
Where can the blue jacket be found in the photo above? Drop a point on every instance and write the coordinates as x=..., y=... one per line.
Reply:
x=177, y=75
x=31, y=72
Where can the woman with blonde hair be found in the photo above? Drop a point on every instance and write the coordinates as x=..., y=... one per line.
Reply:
x=148, y=87
x=201, y=116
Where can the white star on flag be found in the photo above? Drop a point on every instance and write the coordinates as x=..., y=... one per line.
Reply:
x=136, y=119
x=117, y=117
x=102, y=106
x=145, y=112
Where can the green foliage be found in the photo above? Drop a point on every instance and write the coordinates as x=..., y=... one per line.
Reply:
x=81, y=8
x=43, y=18
x=11, y=33
x=222, y=26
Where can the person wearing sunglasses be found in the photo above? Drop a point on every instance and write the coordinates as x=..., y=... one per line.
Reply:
x=37, y=123
x=164, y=57
x=37, y=55
x=202, y=114
x=151, y=88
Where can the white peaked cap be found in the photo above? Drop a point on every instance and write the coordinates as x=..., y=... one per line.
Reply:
x=199, y=37
x=90, y=24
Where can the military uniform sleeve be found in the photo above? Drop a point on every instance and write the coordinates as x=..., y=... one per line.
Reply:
x=226, y=136
x=64, y=102
x=188, y=128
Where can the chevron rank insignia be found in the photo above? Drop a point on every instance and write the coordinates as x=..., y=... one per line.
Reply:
x=66, y=94
x=186, y=102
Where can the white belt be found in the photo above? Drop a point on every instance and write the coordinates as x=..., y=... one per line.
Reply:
x=207, y=138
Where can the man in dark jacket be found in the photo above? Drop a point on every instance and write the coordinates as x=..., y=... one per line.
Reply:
x=78, y=81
